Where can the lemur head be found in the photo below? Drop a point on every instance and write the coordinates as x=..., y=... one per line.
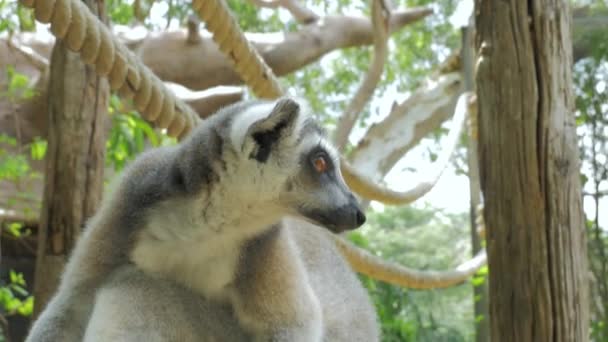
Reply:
x=269, y=158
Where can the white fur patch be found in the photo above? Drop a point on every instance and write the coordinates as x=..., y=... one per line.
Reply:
x=198, y=243
x=244, y=120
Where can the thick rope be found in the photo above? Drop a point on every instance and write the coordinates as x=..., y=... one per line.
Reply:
x=83, y=33
x=232, y=42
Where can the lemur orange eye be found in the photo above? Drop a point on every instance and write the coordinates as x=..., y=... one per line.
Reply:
x=320, y=164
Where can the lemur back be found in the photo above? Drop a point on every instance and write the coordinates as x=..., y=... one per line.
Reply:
x=195, y=243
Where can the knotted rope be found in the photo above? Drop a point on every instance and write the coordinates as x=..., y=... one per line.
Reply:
x=83, y=33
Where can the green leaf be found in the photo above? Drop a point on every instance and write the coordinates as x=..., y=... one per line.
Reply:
x=38, y=149
x=15, y=228
x=27, y=307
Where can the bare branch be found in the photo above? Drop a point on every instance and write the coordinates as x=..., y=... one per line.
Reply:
x=38, y=61
x=406, y=17
x=300, y=13
x=366, y=187
x=283, y=52
x=593, y=194
x=375, y=267
x=385, y=143
x=208, y=101
x=380, y=19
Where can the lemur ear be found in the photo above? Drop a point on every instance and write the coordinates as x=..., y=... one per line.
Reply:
x=268, y=125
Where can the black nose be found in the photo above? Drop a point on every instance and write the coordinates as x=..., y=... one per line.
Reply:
x=360, y=218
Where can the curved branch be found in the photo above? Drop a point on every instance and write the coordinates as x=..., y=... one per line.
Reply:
x=366, y=188
x=284, y=52
x=375, y=267
x=380, y=20
x=38, y=61
x=207, y=102
x=385, y=142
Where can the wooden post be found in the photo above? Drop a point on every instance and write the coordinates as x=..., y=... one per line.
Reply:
x=77, y=113
x=530, y=172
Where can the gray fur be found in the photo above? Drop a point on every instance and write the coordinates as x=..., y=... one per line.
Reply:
x=188, y=248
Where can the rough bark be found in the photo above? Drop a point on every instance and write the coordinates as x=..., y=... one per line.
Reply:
x=530, y=172
x=78, y=102
x=480, y=292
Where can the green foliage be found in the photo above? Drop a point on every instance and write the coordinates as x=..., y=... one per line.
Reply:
x=120, y=12
x=413, y=52
x=129, y=135
x=14, y=167
x=14, y=162
x=250, y=19
x=19, y=87
x=591, y=81
x=13, y=17
x=414, y=237
x=14, y=298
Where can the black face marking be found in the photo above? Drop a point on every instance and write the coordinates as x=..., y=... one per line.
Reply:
x=265, y=141
x=177, y=179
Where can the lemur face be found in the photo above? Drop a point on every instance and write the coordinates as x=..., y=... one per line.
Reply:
x=287, y=160
x=270, y=159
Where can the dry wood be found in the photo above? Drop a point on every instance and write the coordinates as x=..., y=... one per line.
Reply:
x=530, y=172
x=78, y=102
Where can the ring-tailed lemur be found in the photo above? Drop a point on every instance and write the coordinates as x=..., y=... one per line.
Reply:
x=196, y=243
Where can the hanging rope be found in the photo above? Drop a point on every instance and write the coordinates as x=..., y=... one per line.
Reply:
x=82, y=32
x=232, y=42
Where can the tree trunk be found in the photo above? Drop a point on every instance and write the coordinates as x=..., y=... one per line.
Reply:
x=480, y=292
x=78, y=103
x=530, y=172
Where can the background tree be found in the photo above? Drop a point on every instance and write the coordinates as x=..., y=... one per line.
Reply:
x=590, y=77
x=77, y=112
x=530, y=172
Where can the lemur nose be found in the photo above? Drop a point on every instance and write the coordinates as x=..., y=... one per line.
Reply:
x=360, y=218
